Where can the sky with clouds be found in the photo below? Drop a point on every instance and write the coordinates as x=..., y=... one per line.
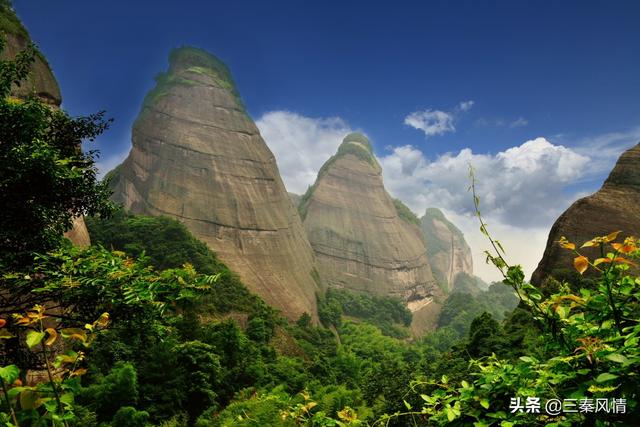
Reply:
x=540, y=97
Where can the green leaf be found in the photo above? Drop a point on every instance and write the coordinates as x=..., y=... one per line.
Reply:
x=618, y=358
x=34, y=338
x=450, y=414
x=484, y=403
x=427, y=399
x=605, y=377
x=9, y=374
x=407, y=404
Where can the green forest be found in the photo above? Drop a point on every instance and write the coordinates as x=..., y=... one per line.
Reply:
x=147, y=327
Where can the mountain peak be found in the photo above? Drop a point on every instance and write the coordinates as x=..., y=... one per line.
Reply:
x=358, y=145
x=626, y=172
x=196, y=59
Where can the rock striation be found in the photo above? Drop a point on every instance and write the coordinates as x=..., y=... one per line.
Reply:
x=448, y=252
x=614, y=207
x=359, y=237
x=41, y=82
x=198, y=157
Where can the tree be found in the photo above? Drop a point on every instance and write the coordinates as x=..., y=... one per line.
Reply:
x=46, y=180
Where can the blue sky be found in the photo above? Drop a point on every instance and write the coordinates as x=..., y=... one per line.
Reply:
x=557, y=74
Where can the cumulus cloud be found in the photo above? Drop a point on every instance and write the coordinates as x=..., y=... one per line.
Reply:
x=523, y=189
x=431, y=122
x=301, y=144
x=521, y=186
x=436, y=122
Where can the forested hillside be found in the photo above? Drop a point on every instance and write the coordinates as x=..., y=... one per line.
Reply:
x=148, y=326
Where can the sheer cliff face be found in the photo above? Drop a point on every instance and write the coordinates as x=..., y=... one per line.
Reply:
x=448, y=252
x=198, y=157
x=40, y=82
x=359, y=240
x=614, y=207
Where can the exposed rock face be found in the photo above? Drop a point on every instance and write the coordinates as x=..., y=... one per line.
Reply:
x=40, y=82
x=295, y=199
x=448, y=252
x=614, y=207
x=198, y=157
x=360, y=240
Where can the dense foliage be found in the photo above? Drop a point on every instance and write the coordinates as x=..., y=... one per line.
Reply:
x=46, y=180
x=148, y=328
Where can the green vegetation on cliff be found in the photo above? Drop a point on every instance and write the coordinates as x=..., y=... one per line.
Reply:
x=405, y=213
x=97, y=337
x=9, y=22
x=435, y=246
x=185, y=63
x=388, y=314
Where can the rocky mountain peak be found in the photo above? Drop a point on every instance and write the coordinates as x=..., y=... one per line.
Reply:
x=198, y=157
x=612, y=208
x=359, y=237
x=626, y=173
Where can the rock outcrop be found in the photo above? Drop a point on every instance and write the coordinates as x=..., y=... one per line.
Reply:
x=614, y=207
x=448, y=252
x=198, y=157
x=360, y=240
x=40, y=82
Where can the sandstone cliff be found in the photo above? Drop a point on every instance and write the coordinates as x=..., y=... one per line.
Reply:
x=40, y=82
x=198, y=157
x=359, y=238
x=614, y=207
x=448, y=252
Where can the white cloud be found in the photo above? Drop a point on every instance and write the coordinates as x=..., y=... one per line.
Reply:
x=522, y=191
x=301, y=144
x=605, y=149
x=431, y=122
x=437, y=122
x=521, y=186
x=465, y=105
x=523, y=246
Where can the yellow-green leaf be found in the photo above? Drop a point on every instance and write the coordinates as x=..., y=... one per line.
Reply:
x=34, y=338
